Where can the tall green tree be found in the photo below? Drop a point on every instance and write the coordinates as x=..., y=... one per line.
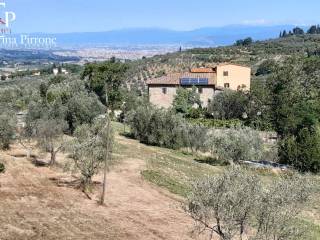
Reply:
x=83, y=108
x=298, y=31
x=284, y=34
x=229, y=105
x=186, y=99
x=295, y=107
x=244, y=42
x=312, y=30
x=106, y=80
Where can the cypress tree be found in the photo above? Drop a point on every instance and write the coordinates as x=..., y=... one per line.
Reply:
x=312, y=29
x=284, y=34
x=298, y=31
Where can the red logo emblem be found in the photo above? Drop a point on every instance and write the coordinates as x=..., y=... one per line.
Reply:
x=2, y=22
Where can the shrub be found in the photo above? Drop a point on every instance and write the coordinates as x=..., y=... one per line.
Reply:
x=266, y=67
x=216, y=123
x=195, y=113
x=164, y=128
x=236, y=203
x=138, y=120
x=234, y=145
x=195, y=137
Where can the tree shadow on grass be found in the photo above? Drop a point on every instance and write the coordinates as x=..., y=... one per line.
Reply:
x=72, y=182
x=212, y=161
x=33, y=158
x=127, y=135
x=77, y=184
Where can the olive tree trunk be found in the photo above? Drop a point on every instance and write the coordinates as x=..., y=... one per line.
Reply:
x=108, y=156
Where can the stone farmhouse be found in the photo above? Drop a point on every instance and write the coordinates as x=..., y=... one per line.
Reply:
x=209, y=81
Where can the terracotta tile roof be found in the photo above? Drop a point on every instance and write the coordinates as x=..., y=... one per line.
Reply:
x=174, y=79
x=170, y=79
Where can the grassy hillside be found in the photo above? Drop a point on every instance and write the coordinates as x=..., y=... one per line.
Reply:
x=128, y=194
x=174, y=170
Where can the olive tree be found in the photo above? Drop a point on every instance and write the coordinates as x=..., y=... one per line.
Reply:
x=83, y=108
x=195, y=136
x=91, y=148
x=185, y=100
x=238, y=205
x=229, y=104
x=234, y=145
x=158, y=127
x=224, y=204
x=7, y=129
x=280, y=203
x=49, y=134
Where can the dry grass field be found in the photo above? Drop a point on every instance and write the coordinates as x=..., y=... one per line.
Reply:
x=145, y=193
x=45, y=203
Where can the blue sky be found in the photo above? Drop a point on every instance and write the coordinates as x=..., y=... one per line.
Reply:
x=57, y=16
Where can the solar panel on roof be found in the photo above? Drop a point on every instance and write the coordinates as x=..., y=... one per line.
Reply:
x=194, y=81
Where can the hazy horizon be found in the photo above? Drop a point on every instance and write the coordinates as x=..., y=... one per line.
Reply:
x=177, y=30
x=99, y=16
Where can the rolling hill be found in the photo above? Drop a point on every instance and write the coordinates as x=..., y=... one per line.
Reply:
x=209, y=36
x=252, y=55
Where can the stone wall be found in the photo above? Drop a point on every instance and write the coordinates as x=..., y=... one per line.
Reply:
x=160, y=99
x=165, y=100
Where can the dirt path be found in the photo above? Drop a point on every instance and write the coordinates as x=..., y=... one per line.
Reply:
x=33, y=207
x=143, y=210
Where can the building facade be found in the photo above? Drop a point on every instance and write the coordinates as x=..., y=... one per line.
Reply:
x=209, y=81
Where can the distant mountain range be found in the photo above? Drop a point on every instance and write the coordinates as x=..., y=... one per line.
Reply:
x=210, y=36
